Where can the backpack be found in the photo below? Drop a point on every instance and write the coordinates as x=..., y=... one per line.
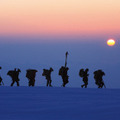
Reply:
x=61, y=70
x=31, y=73
x=81, y=72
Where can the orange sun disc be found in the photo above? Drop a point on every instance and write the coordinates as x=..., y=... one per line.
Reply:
x=111, y=42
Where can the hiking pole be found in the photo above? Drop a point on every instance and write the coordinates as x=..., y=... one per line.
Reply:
x=66, y=54
x=2, y=82
x=104, y=85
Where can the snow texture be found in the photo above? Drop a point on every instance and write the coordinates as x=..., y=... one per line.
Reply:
x=41, y=103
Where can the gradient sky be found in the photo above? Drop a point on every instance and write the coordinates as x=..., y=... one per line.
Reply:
x=59, y=17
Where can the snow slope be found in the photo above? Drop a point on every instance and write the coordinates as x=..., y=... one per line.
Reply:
x=41, y=103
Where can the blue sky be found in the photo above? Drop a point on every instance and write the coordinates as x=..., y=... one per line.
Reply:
x=82, y=54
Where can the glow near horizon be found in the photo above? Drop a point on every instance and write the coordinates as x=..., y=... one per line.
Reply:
x=28, y=17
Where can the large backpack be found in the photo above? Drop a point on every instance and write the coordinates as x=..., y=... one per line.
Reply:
x=31, y=73
x=81, y=72
x=61, y=70
x=11, y=73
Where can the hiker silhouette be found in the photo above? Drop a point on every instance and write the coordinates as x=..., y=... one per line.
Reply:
x=47, y=74
x=84, y=74
x=1, y=80
x=98, y=74
x=63, y=72
x=31, y=73
x=14, y=74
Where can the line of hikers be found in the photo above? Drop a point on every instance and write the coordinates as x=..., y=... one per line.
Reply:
x=63, y=72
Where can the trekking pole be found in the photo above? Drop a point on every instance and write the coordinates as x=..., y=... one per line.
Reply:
x=66, y=54
x=2, y=82
x=104, y=85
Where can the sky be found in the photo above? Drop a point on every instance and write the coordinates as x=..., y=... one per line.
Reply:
x=61, y=17
x=36, y=34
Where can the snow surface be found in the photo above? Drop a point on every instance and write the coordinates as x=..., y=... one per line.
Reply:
x=42, y=103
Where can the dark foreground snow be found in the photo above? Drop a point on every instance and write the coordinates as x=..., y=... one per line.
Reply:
x=41, y=103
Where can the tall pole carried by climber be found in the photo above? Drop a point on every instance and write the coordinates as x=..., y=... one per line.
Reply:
x=63, y=71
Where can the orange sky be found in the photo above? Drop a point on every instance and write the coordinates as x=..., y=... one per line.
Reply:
x=52, y=17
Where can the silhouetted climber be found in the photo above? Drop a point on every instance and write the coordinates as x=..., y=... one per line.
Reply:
x=47, y=74
x=1, y=82
x=84, y=75
x=98, y=78
x=63, y=72
x=14, y=74
x=31, y=76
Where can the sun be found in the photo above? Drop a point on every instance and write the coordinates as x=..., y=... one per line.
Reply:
x=111, y=42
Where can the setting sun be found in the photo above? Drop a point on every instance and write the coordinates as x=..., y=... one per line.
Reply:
x=111, y=42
